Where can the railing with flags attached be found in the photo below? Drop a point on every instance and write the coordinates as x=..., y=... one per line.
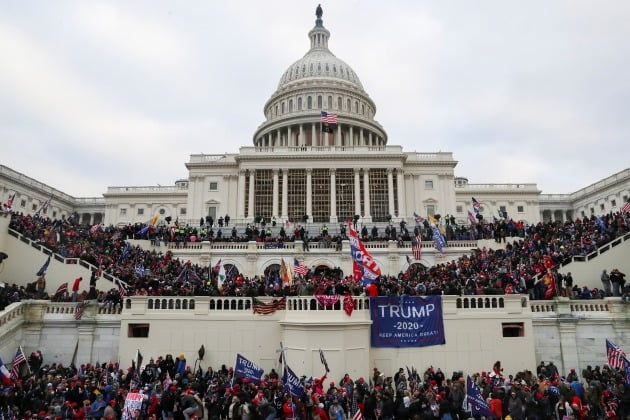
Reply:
x=64, y=260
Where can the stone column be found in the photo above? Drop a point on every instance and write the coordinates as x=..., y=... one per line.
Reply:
x=333, y=196
x=240, y=207
x=351, y=138
x=400, y=179
x=357, y=192
x=366, y=195
x=250, y=208
x=338, y=136
x=289, y=143
x=278, y=140
x=300, y=141
x=285, y=194
x=274, y=200
x=361, y=137
x=309, y=192
x=390, y=191
x=314, y=138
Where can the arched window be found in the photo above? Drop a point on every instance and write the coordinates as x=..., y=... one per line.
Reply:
x=363, y=109
x=309, y=102
x=299, y=104
x=339, y=103
x=290, y=105
x=282, y=108
x=348, y=105
x=311, y=68
x=319, y=102
x=327, y=69
x=276, y=111
x=330, y=102
x=356, y=107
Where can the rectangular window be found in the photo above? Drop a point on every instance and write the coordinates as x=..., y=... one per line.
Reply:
x=320, y=180
x=428, y=184
x=602, y=207
x=140, y=212
x=22, y=203
x=613, y=203
x=263, y=193
x=592, y=210
x=54, y=214
x=430, y=210
x=379, y=198
x=296, y=197
x=344, y=178
x=138, y=330
x=214, y=186
x=502, y=209
x=520, y=209
x=182, y=211
x=459, y=209
x=34, y=206
x=513, y=329
x=123, y=212
x=212, y=212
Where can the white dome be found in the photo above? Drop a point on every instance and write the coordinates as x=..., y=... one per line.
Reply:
x=319, y=63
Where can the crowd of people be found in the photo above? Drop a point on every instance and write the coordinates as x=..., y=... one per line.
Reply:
x=170, y=388
x=528, y=265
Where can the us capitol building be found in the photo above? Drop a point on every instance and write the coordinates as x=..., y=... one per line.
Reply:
x=294, y=169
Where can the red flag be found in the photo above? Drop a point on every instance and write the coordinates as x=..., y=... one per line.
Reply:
x=348, y=304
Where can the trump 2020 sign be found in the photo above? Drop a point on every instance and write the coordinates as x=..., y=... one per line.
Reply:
x=409, y=321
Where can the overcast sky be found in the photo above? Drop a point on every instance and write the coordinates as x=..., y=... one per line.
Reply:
x=109, y=93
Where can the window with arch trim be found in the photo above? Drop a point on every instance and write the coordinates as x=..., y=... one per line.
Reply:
x=319, y=102
x=290, y=105
x=299, y=104
x=309, y=102
x=339, y=103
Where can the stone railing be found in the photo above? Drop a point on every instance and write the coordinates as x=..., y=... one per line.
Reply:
x=611, y=306
x=12, y=314
x=62, y=259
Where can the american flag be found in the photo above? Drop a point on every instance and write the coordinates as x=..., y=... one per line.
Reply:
x=263, y=308
x=357, y=415
x=615, y=355
x=10, y=200
x=626, y=207
x=416, y=248
x=299, y=267
x=63, y=288
x=418, y=218
x=18, y=360
x=80, y=309
x=121, y=290
x=328, y=118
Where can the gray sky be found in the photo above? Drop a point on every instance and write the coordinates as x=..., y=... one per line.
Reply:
x=104, y=93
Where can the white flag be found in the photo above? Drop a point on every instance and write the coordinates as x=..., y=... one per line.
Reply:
x=221, y=277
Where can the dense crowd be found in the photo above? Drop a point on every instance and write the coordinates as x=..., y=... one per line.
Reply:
x=526, y=265
x=171, y=389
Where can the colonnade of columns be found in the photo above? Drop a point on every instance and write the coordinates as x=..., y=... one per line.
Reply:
x=342, y=135
x=282, y=209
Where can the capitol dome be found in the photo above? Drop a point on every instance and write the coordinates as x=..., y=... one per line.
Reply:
x=317, y=83
x=319, y=63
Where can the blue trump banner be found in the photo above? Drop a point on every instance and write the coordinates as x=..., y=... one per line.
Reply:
x=247, y=369
x=292, y=383
x=407, y=321
x=478, y=406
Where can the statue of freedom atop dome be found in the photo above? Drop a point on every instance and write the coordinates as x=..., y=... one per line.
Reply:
x=319, y=12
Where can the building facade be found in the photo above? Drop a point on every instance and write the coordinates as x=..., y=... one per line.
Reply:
x=301, y=167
